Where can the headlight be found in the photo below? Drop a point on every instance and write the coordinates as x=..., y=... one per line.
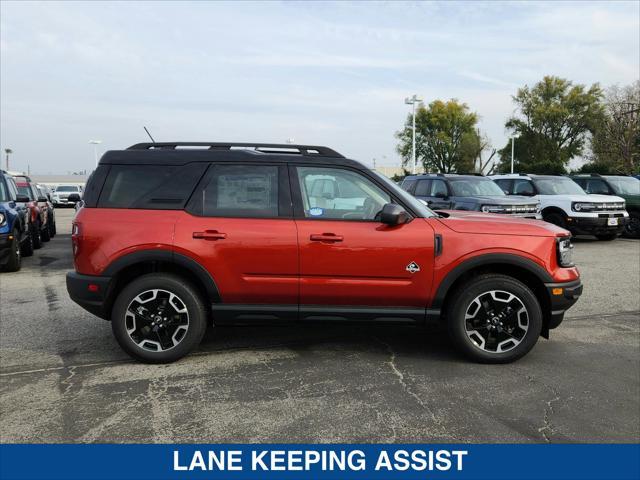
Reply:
x=583, y=207
x=3, y=220
x=565, y=252
x=492, y=209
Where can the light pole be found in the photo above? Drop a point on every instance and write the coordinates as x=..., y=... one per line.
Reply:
x=412, y=101
x=95, y=144
x=8, y=152
x=513, y=139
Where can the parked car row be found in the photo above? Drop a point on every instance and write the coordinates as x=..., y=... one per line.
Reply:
x=604, y=206
x=27, y=219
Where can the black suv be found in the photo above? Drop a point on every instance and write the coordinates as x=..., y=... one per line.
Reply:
x=468, y=192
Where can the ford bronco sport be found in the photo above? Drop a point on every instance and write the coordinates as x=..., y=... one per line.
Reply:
x=450, y=191
x=171, y=239
x=565, y=204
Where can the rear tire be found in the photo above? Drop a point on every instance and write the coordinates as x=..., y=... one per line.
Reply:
x=15, y=258
x=52, y=226
x=35, y=236
x=607, y=237
x=26, y=248
x=44, y=234
x=494, y=318
x=159, y=318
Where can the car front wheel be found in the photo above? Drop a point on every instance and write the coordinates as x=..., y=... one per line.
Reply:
x=158, y=318
x=494, y=318
x=15, y=258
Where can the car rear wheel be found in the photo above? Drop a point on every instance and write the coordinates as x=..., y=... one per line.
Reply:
x=158, y=318
x=35, y=236
x=15, y=258
x=52, y=226
x=26, y=248
x=494, y=318
x=44, y=234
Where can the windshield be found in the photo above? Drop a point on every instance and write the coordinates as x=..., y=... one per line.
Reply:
x=470, y=187
x=410, y=200
x=67, y=188
x=4, y=193
x=625, y=185
x=26, y=191
x=557, y=186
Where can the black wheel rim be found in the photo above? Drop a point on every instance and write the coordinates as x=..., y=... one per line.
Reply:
x=496, y=321
x=157, y=320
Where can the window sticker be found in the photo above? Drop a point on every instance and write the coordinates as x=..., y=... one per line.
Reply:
x=316, y=212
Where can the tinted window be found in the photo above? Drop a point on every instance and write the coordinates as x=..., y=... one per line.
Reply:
x=352, y=196
x=408, y=183
x=68, y=188
x=558, y=186
x=504, y=184
x=597, y=186
x=625, y=185
x=4, y=191
x=439, y=189
x=25, y=190
x=422, y=188
x=240, y=191
x=150, y=187
x=523, y=187
x=13, y=190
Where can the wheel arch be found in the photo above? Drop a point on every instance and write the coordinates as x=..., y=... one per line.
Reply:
x=553, y=209
x=520, y=268
x=131, y=266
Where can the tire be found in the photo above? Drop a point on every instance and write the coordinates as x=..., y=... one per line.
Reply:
x=26, y=248
x=632, y=229
x=494, y=343
x=140, y=343
x=52, y=226
x=35, y=236
x=607, y=236
x=555, y=218
x=15, y=258
x=44, y=234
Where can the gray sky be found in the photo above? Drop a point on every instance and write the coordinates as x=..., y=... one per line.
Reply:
x=321, y=73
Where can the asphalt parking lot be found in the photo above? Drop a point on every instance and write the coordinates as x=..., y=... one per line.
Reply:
x=64, y=379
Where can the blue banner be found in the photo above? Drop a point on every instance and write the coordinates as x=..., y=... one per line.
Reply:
x=307, y=461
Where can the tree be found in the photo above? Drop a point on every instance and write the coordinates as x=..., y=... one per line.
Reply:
x=474, y=145
x=553, y=122
x=615, y=144
x=440, y=132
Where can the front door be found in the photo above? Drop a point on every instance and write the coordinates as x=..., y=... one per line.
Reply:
x=349, y=258
x=239, y=226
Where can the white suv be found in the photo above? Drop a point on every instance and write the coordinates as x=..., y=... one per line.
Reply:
x=564, y=203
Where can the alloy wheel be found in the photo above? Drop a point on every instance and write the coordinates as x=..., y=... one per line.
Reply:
x=157, y=320
x=496, y=321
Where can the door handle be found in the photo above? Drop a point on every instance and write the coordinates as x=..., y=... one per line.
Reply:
x=209, y=235
x=326, y=237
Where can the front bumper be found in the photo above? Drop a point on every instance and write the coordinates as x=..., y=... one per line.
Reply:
x=596, y=225
x=5, y=247
x=562, y=296
x=90, y=292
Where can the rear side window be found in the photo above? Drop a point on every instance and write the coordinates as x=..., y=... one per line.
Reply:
x=150, y=187
x=408, y=183
x=422, y=188
x=523, y=187
x=240, y=191
x=505, y=185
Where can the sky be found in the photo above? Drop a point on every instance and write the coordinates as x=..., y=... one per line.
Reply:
x=332, y=74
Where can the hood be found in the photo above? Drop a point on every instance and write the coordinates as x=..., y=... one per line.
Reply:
x=590, y=198
x=495, y=224
x=506, y=200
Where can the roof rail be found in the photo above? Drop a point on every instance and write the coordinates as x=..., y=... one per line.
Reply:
x=284, y=148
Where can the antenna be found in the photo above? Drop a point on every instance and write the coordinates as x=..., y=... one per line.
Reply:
x=145, y=129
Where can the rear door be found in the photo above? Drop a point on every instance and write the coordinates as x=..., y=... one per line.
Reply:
x=239, y=226
x=439, y=195
x=351, y=264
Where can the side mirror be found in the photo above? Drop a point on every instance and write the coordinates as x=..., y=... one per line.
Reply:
x=74, y=197
x=440, y=195
x=42, y=199
x=22, y=199
x=393, y=214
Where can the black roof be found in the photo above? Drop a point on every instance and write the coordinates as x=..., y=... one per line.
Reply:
x=181, y=153
x=447, y=175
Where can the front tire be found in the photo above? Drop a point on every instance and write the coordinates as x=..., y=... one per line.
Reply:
x=35, y=236
x=27, y=245
x=556, y=218
x=632, y=229
x=15, y=258
x=44, y=234
x=159, y=318
x=494, y=318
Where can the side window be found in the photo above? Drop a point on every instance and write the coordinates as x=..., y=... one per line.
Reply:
x=13, y=190
x=422, y=188
x=407, y=184
x=351, y=197
x=151, y=187
x=597, y=186
x=523, y=187
x=249, y=191
x=504, y=184
x=439, y=189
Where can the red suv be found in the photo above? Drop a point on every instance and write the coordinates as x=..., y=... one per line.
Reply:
x=171, y=239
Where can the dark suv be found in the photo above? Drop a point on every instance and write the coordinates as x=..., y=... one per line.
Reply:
x=172, y=239
x=623, y=186
x=15, y=241
x=468, y=192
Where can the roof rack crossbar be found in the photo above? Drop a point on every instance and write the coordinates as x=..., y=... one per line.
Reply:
x=307, y=150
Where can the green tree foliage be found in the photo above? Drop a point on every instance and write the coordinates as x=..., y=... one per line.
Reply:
x=553, y=122
x=441, y=130
x=615, y=144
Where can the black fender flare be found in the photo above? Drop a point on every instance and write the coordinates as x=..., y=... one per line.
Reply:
x=166, y=256
x=489, y=259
